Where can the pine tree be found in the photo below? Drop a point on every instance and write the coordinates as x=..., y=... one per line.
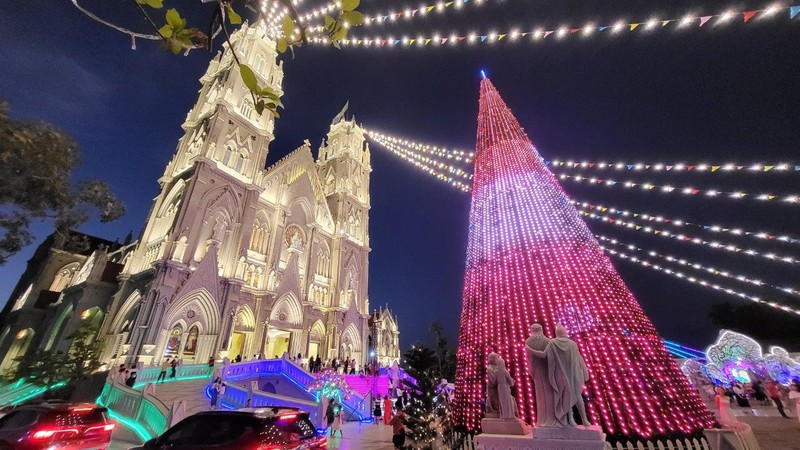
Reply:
x=421, y=364
x=84, y=354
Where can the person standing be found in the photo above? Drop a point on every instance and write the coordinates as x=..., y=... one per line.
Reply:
x=346, y=366
x=215, y=392
x=330, y=414
x=220, y=394
x=163, y=374
x=387, y=410
x=398, y=423
x=318, y=364
x=174, y=366
x=376, y=412
x=337, y=419
x=775, y=394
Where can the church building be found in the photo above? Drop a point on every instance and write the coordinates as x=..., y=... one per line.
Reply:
x=235, y=259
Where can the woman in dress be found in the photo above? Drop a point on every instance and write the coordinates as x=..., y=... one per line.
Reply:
x=337, y=420
x=377, y=412
x=387, y=410
x=794, y=396
x=723, y=404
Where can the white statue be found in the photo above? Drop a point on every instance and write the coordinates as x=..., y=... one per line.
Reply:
x=498, y=389
x=296, y=242
x=566, y=375
x=537, y=341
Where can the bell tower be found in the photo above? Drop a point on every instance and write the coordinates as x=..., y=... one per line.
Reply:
x=344, y=168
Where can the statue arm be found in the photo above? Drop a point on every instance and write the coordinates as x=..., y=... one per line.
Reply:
x=536, y=353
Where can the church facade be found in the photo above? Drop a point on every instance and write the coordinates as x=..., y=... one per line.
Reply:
x=235, y=259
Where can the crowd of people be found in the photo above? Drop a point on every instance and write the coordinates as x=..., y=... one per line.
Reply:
x=757, y=393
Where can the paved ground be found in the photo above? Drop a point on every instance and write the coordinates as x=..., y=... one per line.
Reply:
x=123, y=439
x=367, y=436
x=775, y=433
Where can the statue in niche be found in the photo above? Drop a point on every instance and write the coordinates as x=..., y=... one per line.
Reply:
x=499, y=401
x=198, y=140
x=180, y=249
x=566, y=375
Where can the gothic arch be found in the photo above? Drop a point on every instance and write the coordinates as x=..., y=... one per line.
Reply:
x=306, y=205
x=129, y=305
x=64, y=276
x=201, y=303
x=59, y=325
x=287, y=310
x=169, y=210
x=245, y=319
x=317, y=333
x=351, y=336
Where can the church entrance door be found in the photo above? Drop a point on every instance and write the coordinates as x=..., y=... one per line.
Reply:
x=237, y=345
x=278, y=343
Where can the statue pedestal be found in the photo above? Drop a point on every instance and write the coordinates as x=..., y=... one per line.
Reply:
x=505, y=426
x=542, y=438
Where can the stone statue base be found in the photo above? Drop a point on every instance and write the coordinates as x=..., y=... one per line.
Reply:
x=545, y=438
x=515, y=427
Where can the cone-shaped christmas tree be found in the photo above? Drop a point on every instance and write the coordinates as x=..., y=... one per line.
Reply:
x=531, y=259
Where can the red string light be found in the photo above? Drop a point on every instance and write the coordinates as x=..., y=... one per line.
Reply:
x=530, y=258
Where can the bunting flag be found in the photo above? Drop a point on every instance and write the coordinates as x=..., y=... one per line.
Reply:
x=536, y=34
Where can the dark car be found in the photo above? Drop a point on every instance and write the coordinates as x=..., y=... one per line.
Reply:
x=62, y=426
x=250, y=429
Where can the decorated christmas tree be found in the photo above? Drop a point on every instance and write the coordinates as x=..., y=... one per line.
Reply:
x=531, y=259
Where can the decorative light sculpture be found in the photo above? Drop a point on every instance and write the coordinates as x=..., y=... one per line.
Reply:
x=531, y=259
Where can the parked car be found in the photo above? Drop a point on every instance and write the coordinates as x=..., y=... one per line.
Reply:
x=252, y=429
x=62, y=426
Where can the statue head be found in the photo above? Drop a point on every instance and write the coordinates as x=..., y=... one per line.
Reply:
x=561, y=332
x=537, y=329
x=493, y=359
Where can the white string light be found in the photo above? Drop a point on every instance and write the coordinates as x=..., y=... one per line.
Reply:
x=669, y=189
x=704, y=268
x=533, y=34
x=457, y=155
x=677, y=167
x=760, y=235
x=425, y=164
x=678, y=274
x=733, y=248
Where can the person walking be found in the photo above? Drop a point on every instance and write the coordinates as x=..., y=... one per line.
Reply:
x=387, y=410
x=775, y=394
x=174, y=366
x=353, y=366
x=163, y=374
x=220, y=388
x=330, y=414
x=398, y=423
x=337, y=419
x=318, y=364
x=377, y=412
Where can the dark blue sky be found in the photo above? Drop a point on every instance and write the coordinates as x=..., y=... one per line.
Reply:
x=719, y=93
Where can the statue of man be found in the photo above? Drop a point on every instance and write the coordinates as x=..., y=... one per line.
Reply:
x=545, y=400
x=567, y=374
x=498, y=390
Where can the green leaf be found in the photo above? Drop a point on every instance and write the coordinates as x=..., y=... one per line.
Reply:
x=166, y=31
x=353, y=18
x=340, y=34
x=329, y=21
x=336, y=44
x=287, y=25
x=175, y=46
x=283, y=44
x=249, y=77
x=233, y=18
x=152, y=3
x=260, y=106
x=275, y=114
x=349, y=5
x=174, y=20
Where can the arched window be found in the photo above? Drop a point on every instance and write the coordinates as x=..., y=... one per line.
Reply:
x=228, y=155
x=261, y=64
x=246, y=109
x=240, y=161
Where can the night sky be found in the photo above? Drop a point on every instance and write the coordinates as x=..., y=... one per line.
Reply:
x=713, y=94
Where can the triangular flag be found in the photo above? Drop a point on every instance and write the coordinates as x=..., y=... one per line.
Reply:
x=483, y=38
x=704, y=19
x=602, y=28
x=461, y=38
x=574, y=30
x=426, y=41
x=444, y=40
x=695, y=191
x=715, y=168
x=669, y=167
x=797, y=168
x=630, y=166
x=430, y=8
x=748, y=15
x=656, y=231
x=547, y=33
x=690, y=167
x=633, y=26
x=665, y=22
x=638, y=227
x=448, y=4
x=410, y=42
x=793, y=11
x=501, y=36
x=768, y=168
